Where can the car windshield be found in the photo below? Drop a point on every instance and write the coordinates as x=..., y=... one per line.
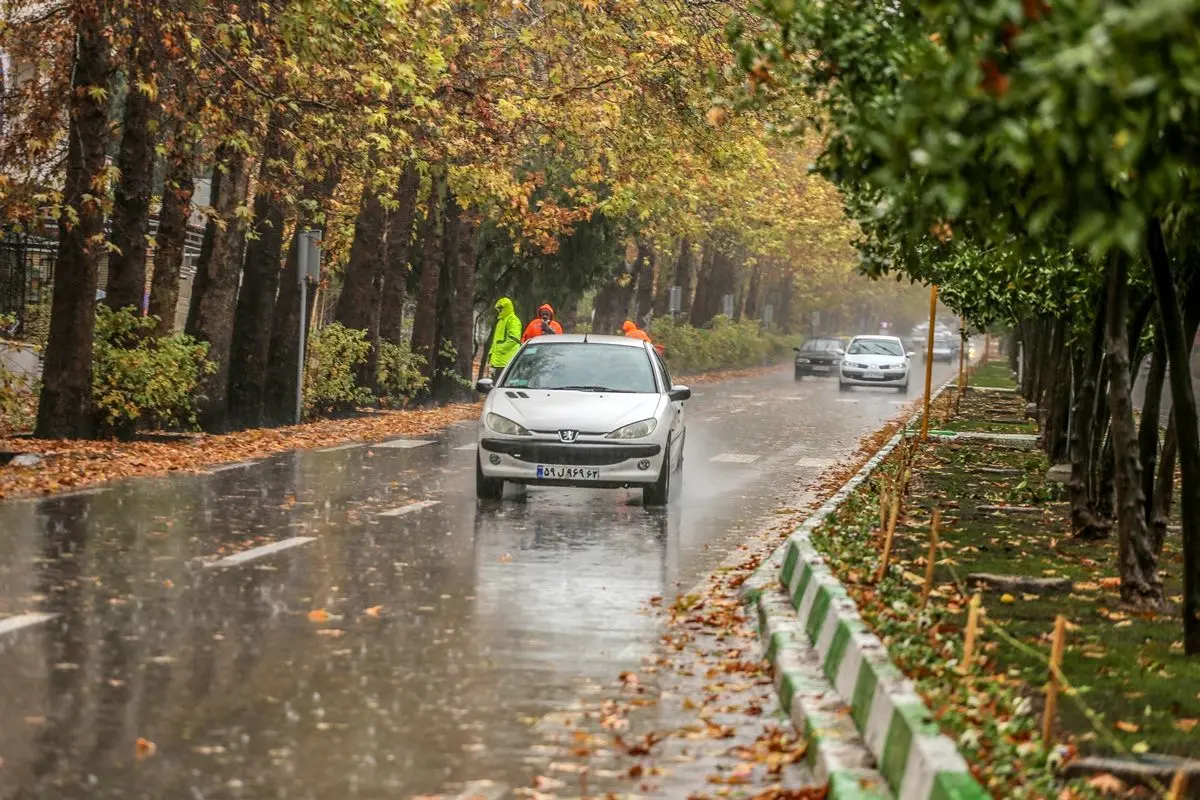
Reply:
x=875, y=347
x=582, y=367
x=821, y=345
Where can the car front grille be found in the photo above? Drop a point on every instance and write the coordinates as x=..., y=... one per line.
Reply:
x=584, y=454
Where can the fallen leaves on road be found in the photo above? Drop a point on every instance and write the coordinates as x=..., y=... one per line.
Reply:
x=143, y=749
x=374, y=611
x=75, y=464
x=319, y=615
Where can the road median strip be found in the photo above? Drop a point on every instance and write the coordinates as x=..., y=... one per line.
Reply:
x=807, y=617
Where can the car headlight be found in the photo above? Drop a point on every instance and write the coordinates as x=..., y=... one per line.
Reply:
x=505, y=425
x=801, y=360
x=635, y=431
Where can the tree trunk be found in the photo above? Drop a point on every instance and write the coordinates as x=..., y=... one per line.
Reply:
x=65, y=406
x=424, y=336
x=445, y=386
x=685, y=272
x=464, y=324
x=131, y=198
x=1165, y=485
x=178, y=188
x=1149, y=427
x=646, y=273
x=358, y=304
x=1139, y=577
x=398, y=263
x=667, y=277
x=260, y=283
x=1085, y=523
x=214, y=293
x=613, y=299
x=1059, y=401
x=1187, y=428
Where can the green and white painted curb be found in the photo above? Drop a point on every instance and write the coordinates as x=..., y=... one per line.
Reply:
x=834, y=677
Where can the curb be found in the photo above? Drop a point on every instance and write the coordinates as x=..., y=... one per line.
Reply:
x=836, y=681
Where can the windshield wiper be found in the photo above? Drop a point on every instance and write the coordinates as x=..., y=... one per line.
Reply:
x=593, y=389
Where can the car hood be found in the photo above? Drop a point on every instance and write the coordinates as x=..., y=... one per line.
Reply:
x=590, y=412
x=873, y=360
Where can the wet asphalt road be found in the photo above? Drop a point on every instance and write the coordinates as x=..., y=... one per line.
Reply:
x=450, y=625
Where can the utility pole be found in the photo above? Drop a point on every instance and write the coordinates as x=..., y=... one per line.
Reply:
x=308, y=266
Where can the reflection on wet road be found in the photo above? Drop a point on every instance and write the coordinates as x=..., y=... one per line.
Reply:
x=348, y=622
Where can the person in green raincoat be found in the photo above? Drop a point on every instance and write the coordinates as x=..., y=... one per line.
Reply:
x=506, y=337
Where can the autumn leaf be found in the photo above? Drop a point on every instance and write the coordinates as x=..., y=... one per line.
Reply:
x=143, y=749
x=319, y=615
x=1106, y=783
x=1187, y=725
x=1127, y=727
x=374, y=611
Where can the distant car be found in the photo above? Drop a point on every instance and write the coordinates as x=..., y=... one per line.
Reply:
x=582, y=410
x=943, y=347
x=874, y=361
x=819, y=355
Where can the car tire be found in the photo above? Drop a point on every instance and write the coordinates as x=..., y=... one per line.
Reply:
x=843, y=386
x=659, y=492
x=486, y=488
x=799, y=375
x=904, y=388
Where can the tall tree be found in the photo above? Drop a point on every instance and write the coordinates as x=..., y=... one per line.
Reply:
x=399, y=256
x=214, y=292
x=65, y=405
x=179, y=186
x=424, y=336
x=358, y=304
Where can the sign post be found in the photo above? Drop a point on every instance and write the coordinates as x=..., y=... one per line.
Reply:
x=308, y=267
x=933, y=291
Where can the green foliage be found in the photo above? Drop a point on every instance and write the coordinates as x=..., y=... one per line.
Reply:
x=726, y=345
x=334, y=354
x=400, y=377
x=139, y=380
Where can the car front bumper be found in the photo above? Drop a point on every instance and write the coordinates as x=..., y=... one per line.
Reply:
x=526, y=460
x=889, y=377
x=827, y=369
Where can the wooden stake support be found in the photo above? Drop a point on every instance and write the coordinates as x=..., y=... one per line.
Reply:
x=1056, y=655
x=931, y=560
x=1178, y=785
x=968, y=658
x=891, y=533
x=883, y=505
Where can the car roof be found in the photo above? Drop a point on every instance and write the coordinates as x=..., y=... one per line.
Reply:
x=588, y=338
x=876, y=338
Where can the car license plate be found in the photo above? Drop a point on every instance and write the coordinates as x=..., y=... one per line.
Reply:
x=559, y=473
x=874, y=375
x=820, y=369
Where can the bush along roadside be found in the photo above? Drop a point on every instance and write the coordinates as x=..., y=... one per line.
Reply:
x=723, y=345
x=1004, y=535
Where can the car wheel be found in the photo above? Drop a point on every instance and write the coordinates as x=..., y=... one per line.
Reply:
x=659, y=492
x=843, y=386
x=904, y=388
x=799, y=375
x=487, y=488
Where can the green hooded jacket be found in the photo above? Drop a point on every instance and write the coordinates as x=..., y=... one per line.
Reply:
x=506, y=339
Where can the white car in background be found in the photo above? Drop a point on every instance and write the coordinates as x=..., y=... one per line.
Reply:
x=875, y=361
x=582, y=410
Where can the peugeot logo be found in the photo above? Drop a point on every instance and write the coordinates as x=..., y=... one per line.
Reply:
x=567, y=436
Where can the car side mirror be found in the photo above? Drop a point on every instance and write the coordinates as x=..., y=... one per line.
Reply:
x=484, y=385
x=797, y=349
x=679, y=394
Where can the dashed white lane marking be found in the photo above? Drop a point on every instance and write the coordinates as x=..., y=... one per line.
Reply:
x=845, y=400
x=404, y=443
x=335, y=448
x=11, y=624
x=238, y=465
x=468, y=447
x=898, y=402
x=741, y=396
x=816, y=462
x=483, y=790
x=735, y=458
x=259, y=552
x=410, y=508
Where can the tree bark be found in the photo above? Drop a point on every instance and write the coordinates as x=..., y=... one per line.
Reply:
x=65, y=406
x=424, y=336
x=260, y=282
x=131, y=198
x=1149, y=427
x=613, y=299
x=445, y=387
x=214, y=293
x=1138, y=569
x=358, y=304
x=1085, y=523
x=1187, y=428
x=399, y=257
x=279, y=394
x=1165, y=485
x=464, y=324
x=646, y=273
x=179, y=186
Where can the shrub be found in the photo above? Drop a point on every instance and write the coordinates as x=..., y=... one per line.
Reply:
x=18, y=396
x=140, y=379
x=725, y=345
x=334, y=355
x=400, y=377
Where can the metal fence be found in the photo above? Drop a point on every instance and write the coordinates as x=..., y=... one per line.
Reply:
x=26, y=278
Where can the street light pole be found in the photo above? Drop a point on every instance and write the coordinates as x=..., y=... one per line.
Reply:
x=933, y=292
x=308, y=264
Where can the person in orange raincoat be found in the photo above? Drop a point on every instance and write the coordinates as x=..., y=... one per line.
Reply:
x=544, y=325
x=634, y=332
